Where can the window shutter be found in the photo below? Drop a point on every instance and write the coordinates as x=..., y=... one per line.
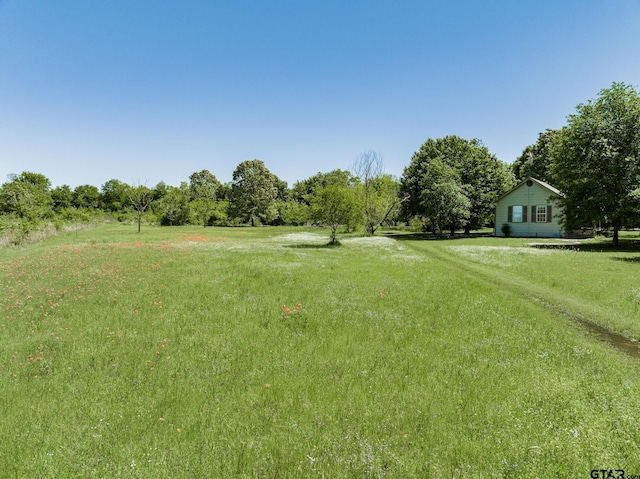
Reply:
x=524, y=214
x=534, y=210
x=549, y=215
x=510, y=214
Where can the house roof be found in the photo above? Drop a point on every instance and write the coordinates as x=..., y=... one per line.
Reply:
x=547, y=186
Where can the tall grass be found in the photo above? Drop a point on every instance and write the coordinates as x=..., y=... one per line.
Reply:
x=262, y=353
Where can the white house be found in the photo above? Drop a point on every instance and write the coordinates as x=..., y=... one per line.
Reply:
x=530, y=210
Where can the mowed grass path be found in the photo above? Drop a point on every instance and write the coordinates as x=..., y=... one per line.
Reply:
x=262, y=353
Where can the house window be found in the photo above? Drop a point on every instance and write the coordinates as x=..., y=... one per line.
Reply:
x=541, y=213
x=517, y=214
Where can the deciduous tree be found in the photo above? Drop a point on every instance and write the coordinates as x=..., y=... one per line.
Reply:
x=445, y=203
x=204, y=189
x=86, y=196
x=115, y=195
x=62, y=197
x=253, y=193
x=597, y=160
x=379, y=192
x=27, y=195
x=482, y=178
x=173, y=207
x=140, y=198
x=334, y=206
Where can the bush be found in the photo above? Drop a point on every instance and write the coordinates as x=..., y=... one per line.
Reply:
x=506, y=229
x=415, y=224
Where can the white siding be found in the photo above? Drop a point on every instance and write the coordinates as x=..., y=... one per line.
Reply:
x=527, y=196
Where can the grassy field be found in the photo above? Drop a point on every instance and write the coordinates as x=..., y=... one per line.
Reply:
x=191, y=352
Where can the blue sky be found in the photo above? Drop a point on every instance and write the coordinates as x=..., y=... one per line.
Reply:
x=150, y=91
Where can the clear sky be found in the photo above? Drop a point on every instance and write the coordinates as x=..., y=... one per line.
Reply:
x=154, y=90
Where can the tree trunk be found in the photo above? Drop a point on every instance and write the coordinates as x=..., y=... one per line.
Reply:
x=452, y=228
x=616, y=228
x=332, y=239
x=467, y=229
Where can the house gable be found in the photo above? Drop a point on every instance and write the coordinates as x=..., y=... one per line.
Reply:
x=530, y=210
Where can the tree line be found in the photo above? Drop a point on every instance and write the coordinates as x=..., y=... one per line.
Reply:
x=255, y=196
x=450, y=184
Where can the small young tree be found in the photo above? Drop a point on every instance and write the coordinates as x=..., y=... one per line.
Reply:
x=334, y=206
x=378, y=191
x=140, y=197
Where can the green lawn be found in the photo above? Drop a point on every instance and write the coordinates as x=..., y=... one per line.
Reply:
x=191, y=352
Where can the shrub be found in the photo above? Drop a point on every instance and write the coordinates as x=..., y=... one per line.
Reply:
x=506, y=229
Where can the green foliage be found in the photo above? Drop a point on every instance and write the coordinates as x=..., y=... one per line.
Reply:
x=115, y=195
x=334, y=206
x=480, y=176
x=204, y=184
x=445, y=204
x=253, y=193
x=506, y=229
x=172, y=208
x=160, y=190
x=86, y=196
x=597, y=160
x=27, y=196
x=379, y=192
x=417, y=225
x=62, y=198
x=293, y=212
x=303, y=191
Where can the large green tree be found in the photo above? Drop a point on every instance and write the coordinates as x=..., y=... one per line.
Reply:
x=253, y=193
x=115, y=195
x=481, y=177
x=27, y=195
x=62, y=197
x=304, y=190
x=597, y=160
x=86, y=196
x=444, y=201
x=204, y=188
x=173, y=208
